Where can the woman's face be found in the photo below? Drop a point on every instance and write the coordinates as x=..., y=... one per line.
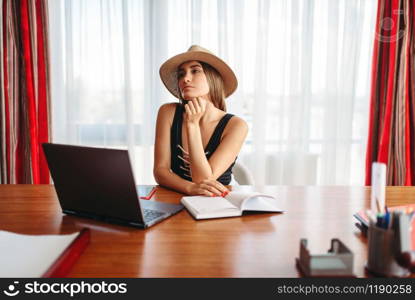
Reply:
x=192, y=80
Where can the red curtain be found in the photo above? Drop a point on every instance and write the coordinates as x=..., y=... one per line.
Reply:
x=392, y=124
x=25, y=96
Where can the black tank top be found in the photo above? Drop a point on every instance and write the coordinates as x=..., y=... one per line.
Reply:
x=180, y=159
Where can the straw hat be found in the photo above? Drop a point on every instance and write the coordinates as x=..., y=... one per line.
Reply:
x=168, y=70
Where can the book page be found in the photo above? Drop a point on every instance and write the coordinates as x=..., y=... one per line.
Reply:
x=237, y=198
x=262, y=203
x=30, y=255
x=254, y=201
x=203, y=204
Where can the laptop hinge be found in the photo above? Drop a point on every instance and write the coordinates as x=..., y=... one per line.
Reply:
x=104, y=218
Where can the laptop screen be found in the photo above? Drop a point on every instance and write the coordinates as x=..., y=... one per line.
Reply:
x=94, y=181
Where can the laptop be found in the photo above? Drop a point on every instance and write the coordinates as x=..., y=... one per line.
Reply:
x=99, y=183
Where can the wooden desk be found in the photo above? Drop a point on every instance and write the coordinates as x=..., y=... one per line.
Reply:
x=256, y=245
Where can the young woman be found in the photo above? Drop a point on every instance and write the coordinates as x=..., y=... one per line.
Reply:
x=197, y=142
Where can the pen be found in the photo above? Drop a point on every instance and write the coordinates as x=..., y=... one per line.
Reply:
x=383, y=220
x=391, y=220
x=386, y=220
x=378, y=205
x=148, y=197
x=379, y=220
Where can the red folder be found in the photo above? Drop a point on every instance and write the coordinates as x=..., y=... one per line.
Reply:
x=64, y=263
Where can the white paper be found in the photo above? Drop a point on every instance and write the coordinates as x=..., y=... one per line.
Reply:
x=261, y=203
x=255, y=202
x=237, y=198
x=203, y=204
x=378, y=187
x=24, y=255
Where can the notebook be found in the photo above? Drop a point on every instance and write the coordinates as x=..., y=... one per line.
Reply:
x=232, y=205
x=24, y=255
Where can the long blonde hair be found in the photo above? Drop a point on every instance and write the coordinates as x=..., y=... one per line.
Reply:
x=216, y=87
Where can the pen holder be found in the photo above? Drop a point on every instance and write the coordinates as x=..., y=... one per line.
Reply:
x=382, y=253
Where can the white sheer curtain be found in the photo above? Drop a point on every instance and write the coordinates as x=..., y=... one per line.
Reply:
x=303, y=69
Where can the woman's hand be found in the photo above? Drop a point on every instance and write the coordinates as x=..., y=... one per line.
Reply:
x=208, y=187
x=195, y=109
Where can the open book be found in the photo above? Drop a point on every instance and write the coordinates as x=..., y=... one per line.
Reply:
x=232, y=205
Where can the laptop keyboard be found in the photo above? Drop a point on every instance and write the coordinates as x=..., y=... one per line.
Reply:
x=150, y=214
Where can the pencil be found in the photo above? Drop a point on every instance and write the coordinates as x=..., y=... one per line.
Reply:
x=378, y=205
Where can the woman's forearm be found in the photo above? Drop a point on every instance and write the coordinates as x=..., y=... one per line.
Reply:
x=199, y=165
x=165, y=177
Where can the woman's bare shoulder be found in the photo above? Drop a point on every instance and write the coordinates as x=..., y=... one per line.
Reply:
x=238, y=124
x=168, y=107
x=166, y=111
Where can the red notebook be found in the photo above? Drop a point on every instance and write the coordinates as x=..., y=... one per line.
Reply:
x=64, y=263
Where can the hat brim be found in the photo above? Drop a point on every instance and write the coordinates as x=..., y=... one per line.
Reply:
x=168, y=71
